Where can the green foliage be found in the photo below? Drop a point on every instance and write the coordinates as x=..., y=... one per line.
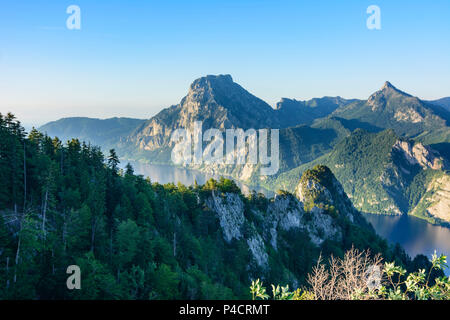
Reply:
x=64, y=204
x=127, y=240
x=371, y=172
x=258, y=291
x=394, y=284
x=223, y=185
x=415, y=285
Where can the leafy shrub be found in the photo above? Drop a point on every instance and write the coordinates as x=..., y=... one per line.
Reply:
x=358, y=276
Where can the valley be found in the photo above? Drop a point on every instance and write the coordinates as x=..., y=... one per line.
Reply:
x=390, y=152
x=414, y=234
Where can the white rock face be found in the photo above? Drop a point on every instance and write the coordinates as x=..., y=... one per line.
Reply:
x=419, y=154
x=440, y=199
x=436, y=200
x=284, y=213
x=322, y=227
x=409, y=115
x=230, y=210
x=258, y=250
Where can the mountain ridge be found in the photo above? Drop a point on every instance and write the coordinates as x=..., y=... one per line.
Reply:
x=309, y=130
x=382, y=173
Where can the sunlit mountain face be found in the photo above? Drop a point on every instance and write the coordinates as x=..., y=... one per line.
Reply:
x=224, y=150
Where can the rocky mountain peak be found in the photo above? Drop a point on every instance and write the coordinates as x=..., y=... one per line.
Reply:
x=227, y=104
x=314, y=186
x=205, y=89
x=388, y=85
x=378, y=100
x=211, y=82
x=318, y=188
x=388, y=89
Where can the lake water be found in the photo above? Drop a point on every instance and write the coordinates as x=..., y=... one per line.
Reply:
x=165, y=174
x=415, y=235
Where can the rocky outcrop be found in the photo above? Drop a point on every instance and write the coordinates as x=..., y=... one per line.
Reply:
x=217, y=101
x=417, y=153
x=319, y=187
x=259, y=252
x=286, y=212
x=230, y=210
x=435, y=203
x=323, y=227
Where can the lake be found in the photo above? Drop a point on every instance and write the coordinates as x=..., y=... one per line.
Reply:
x=165, y=174
x=415, y=235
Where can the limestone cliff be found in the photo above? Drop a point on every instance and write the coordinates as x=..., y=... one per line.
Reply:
x=263, y=228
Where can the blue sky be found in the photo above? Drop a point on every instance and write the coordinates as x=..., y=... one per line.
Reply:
x=133, y=58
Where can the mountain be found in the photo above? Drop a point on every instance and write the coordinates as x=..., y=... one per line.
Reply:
x=220, y=103
x=103, y=132
x=319, y=188
x=444, y=103
x=383, y=173
x=390, y=108
x=295, y=112
x=282, y=233
x=308, y=129
x=134, y=239
x=217, y=101
x=319, y=131
x=302, y=144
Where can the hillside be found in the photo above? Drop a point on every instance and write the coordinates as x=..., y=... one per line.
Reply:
x=220, y=103
x=444, y=103
x=383, y=173
x=311, y=132
x=408, y=116
x=134, y=239
x=434, y=202
x=102, y=132
x=294, y=112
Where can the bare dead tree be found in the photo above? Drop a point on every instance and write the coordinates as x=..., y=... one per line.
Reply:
x=345, y=279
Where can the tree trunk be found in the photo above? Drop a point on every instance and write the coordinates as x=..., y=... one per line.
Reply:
x=24, y=177
x=44, y=213
x=110, y=245
x=7, y=272
x=17, y=258
x=64, y=230
x=53, y=262
x=174, y=243
x=93, y=235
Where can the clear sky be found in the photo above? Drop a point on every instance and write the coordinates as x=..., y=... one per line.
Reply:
x=133, y=58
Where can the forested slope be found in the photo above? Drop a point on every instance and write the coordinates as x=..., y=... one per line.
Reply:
x=65, y=204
